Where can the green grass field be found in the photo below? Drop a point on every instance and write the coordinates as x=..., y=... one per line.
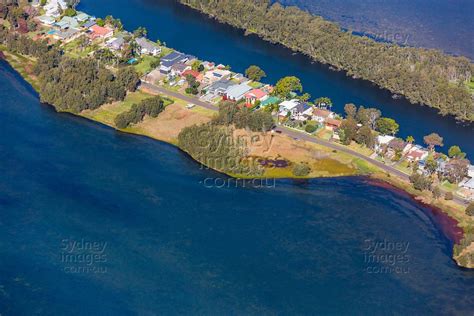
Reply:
x=106, y=114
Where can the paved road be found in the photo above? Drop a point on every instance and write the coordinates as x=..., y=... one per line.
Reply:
x=308, y=138
x=293, y=134
x=177, y=95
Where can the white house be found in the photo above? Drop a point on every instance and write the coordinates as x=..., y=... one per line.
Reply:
x=147, y=47
x=382, y=141
x=237, y=92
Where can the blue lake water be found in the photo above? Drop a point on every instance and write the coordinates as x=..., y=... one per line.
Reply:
x=193, y=33
x=96, y=222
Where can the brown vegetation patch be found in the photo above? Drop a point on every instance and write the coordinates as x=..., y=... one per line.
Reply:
x=170, y=122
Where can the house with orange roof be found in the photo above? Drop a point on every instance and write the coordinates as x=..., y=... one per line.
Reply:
x=100, y=32
x=196, y=74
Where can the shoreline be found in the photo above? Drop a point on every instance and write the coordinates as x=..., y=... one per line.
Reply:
x=379, y=175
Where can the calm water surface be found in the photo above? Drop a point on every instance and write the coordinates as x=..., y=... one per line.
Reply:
x=191, y=32
x=95, y=222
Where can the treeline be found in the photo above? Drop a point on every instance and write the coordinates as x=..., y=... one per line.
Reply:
x=152, y=107
x=72, y=84
x=422, y=76
x=256, y=121
x=215, y=147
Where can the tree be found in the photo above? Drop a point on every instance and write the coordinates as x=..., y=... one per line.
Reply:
x=455, y=152
x=255, y=73
x=349, y=130
x=366, y=137
x=410, y=139
x=310, y=128
x=470, y=209
x=433, y=140
x=436, y=192
x=100, y=22
x=70, y=12
x=421, y=182
x=456, y=170
x=286, y=85
x=323, y=102
x=351, y=110
x=128, y=78
x=197, y=65
x=193, y=85
x=431, y=165
x=140, y=32
x=387, y=126
x=304, y=97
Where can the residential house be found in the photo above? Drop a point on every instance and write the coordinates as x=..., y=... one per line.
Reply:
x=116, y=43
x=321, y=115
x=286, y=107
x=46, y=20
x=302, y=112
x=67, y=22
x=179, y=68
x=333, y=124
x=269, y=101
x=208, y=65
x=416, y=153
x=67, y=35
x=382, y=142
x=168, y=61
x=100, y=32
x=212, y=76
x=147, y=47
x=82, y=17
x=395, y=148
x=196, y=74
x=219, y=88
x=255, y=95
x=237, y=92
x=88, y=24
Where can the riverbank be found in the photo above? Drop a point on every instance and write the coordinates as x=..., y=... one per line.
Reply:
x=326, y=43
x=325, y=162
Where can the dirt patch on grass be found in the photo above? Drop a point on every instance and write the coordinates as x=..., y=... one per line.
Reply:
x=170, y=122
x=323, y=161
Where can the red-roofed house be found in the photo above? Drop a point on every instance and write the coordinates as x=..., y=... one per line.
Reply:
x=255, y=95
x=417, y=154
x=333, y=124
x=196, y=74
x=100, y=32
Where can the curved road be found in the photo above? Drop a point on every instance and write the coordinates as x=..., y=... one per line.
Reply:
x=291, y=133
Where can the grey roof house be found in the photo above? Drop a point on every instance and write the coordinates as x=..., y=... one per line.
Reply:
x=147, y=47
x=237, y=92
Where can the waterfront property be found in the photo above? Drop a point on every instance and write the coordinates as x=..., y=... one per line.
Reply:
x=147, y=47
x=237, y=92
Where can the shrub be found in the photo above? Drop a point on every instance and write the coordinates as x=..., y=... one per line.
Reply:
x=301, y=170
x=310, y=128
x=470, y=209
x=449, y=196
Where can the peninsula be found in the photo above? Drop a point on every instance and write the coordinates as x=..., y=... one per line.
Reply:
x=229, y=122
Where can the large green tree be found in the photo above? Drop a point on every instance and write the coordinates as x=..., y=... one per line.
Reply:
x=286, y=85
x=255, y=73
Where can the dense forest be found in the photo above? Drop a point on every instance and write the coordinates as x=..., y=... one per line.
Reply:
x=423, y=76
x=71, y=84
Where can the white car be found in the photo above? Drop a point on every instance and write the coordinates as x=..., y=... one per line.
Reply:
x=190, y=106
